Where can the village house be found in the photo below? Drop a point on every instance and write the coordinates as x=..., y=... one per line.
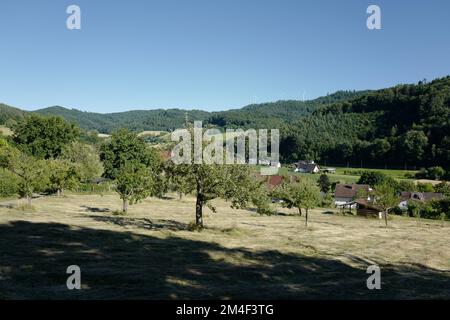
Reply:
x=405, y=197
x=346, y=194
x=306, y=167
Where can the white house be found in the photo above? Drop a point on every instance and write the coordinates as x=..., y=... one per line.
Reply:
x=347, y=193
x=306, y=167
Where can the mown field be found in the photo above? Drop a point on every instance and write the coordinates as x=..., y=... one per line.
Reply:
x=152, y=254
x=5, y=131
x=350, y=175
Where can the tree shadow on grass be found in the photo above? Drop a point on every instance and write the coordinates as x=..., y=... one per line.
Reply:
x=145, y=223
x=95, y=209
x=121, y=265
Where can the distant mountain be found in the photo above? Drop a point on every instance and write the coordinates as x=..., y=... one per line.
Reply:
x=276, y=114
x=138, y=120
x=264, y=115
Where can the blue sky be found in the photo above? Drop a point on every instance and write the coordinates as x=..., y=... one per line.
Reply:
x=212, y=54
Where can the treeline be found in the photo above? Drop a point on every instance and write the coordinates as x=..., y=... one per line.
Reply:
x=265, y=115
x=136, y=121
x=403, y=125
x=276, y=115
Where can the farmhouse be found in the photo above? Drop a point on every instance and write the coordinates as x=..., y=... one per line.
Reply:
x=405, y=197
x=306, y=167
x=347, y=193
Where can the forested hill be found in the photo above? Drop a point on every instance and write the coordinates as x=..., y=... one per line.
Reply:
x=406, y=124
x=277, y=114
x=266, y=115
x=138, y=120
x=9, y=114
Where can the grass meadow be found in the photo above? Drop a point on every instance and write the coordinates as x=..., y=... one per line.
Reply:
x=150, y=253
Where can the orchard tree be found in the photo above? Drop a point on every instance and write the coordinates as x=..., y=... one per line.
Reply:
x=32, y=172
x=134, y=182
x=134, y=166
x=62, y=175
x=86, y=158
x=386, y=199
x=416, y=207
x=210, y=181
x=303, y=194
x=43, y=137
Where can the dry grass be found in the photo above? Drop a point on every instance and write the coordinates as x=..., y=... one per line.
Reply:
x=150, y=253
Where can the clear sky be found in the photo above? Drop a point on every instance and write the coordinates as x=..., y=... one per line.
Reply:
x=212, y=54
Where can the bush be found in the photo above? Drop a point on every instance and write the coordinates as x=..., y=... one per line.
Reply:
x=9, y=184
x=425, y=187
x=397, y=211
x=441, y=206
x=432, y=173
x=444, y=188
x=375, y=178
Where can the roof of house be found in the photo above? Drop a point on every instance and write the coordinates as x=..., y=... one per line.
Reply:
x=349, y=190
x=306, y=166
x=274, y=181
x=422, y=196
x=366, y=204
x=165, y=155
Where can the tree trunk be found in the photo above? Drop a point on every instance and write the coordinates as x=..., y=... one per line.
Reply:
x=58, y=192
x=180, y=194
x=29, y=201
x=125, y=206
x=199, y=212
x=385, y=218
x=300, y=211
x=306, y=217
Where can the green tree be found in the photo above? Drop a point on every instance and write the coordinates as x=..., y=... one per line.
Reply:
x=132, y=165
x=123, y=148
x=324, y=183
x=134, y=182
x=374, y=178
x=386, y=199
x=62, y=175
x=444, y=188
x=43, y=137
x=435, y=173
x=425, y=187
x=32, y=172
x=303, y=194
x=413, y=144
x=231, y=182
x=415, y=207
x=86, y=158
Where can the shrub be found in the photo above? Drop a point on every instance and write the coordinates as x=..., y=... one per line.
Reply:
x=432, y=173
x=443, y=187
x=375, y=178
x=425, y=187
x=9, y=184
